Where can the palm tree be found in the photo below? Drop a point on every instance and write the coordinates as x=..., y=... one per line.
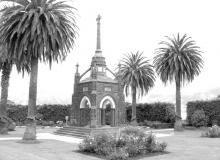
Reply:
x=137, y=76
x=178, y=60
x=6, y=67
x=33, y=31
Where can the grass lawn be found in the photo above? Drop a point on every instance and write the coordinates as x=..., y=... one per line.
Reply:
x=187, y=145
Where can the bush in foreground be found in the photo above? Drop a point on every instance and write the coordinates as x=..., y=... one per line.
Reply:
x=131, y=142
x=212, y=132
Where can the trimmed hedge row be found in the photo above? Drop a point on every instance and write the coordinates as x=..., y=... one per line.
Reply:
x=18, y=113
x=211, y=109
x=163, y=112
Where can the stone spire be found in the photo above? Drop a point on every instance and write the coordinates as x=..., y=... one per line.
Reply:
x=98, y=65
x=98, y=51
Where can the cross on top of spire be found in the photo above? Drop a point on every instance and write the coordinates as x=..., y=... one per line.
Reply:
x=98, y=18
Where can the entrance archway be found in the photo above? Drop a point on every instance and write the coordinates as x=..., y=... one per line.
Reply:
x=107, y=107
x=85, y=109
x=85, y=102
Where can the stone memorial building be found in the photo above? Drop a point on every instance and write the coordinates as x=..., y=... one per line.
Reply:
x=97, y=100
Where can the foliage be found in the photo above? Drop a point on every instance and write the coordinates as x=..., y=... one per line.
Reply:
x=132, y=138
x=49, y=114
x=212, y=132
x=42, y=29
x=88, y=145
x=179, y=57
x=121, y=154
x=199, y=119
x=156, y=124
x=136, y=71
x=134, y=131
x=102, y=144
x=163, y=112
x=132, y=141
x=211, y=109
x=18, y=113
x=54, y=112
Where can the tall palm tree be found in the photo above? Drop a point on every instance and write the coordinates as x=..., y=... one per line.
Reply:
x=178, y=60
x=137, y=76
x=33, y=31
x=6, y=67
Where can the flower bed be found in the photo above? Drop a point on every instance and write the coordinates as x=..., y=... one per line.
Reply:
x=132, y=142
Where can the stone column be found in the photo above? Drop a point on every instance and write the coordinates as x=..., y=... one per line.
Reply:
x=93, y=117
x=103, y=116
x=112, y=117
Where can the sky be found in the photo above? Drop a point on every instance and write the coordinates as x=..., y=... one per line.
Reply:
x=131, y=26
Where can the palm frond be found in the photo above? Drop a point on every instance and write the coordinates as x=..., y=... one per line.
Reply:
x=179, y=58
x=136, y=72
x=43, y=29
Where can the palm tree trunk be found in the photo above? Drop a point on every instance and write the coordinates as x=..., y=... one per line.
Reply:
x=30, y=132
x=133, y=118
x=178, y=99
x=6, y=70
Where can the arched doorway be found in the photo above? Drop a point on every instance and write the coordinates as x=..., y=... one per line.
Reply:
x=85, y=108
x=107, y=107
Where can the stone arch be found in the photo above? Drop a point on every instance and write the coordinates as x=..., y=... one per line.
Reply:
x=85, y=102
x=105, y=100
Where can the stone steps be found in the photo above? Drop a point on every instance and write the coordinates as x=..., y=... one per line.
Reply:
x=82, y=132
x=79, y=132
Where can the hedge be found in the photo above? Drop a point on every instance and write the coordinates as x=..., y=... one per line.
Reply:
x=18, y=113
x=163, y=112
x=211, y=109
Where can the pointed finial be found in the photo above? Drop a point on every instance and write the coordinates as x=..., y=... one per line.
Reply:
x=98, y=18
x=77, y=68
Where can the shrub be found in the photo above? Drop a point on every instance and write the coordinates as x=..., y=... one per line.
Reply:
x=88, y=145
x=211, y=109
x=160, y=147
x=118, y=155
x=131, y=142
x=212, y=132
x=46, y=113
x=199, y=119
x=135, y=131
x=105, y=144
x=136, y=141
x=54, y=112
x=18, y=114
x=163, y=112
x=156, y=124
x=102, y=144
x=150, y=143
